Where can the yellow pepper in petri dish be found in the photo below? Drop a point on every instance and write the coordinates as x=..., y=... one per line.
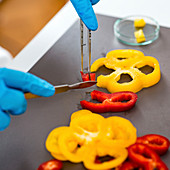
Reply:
x=139, y=35
x=139, y=23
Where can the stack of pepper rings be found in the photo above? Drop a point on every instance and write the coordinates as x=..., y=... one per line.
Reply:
x=145, y=153
x=127, y=62
x=90, y=136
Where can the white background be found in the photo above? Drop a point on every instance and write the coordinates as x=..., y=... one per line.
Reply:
x=63, y=20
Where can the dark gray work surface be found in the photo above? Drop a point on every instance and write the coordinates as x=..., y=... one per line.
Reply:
x=22, y=144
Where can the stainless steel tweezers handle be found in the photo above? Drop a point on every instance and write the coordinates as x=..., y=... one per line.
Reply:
x=83, y=44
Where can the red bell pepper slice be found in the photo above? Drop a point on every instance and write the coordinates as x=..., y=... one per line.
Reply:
x=158, y=143
x=114, y=102
x=129, y=165
x=88, y=76
x=51, y=165
x=145, y=157
x=159, y=166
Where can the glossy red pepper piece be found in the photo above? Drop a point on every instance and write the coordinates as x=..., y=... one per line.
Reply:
x=114, y=102
x=158, y=143
x=128, y=165
x=88, y=76
x=159, y=166
x=51, y=165
x=145, y=157
x=92, y=76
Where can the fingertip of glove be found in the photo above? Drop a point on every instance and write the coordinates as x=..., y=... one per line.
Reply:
x=91, y=24
x=42, y=88
x=93, y=27
x=48, y=89
x=94, y=2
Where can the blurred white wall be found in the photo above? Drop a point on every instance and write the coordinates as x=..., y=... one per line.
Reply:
x=63, y=20
x=159, y=10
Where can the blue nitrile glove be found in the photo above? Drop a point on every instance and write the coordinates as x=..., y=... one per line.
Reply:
x=86, y=13
x=13, y=84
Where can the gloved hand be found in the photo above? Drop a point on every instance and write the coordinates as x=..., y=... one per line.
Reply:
x=13, y=84
x=86, y=13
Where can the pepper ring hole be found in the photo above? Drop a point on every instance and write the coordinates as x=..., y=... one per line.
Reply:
x=104, y=71
x=125, y=78
x=125, y=101
x=101, y=159
x=144, y=154
x=78, y=146
x=122, y=101
x=121, y=58
x=146, y=69
x=156, y=142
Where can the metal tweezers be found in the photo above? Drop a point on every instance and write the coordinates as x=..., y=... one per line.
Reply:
x=83, y=44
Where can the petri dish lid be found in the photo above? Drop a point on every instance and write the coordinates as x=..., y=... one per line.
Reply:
x=124, y=30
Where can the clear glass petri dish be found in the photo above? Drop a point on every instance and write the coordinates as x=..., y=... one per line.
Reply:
x=124, y=30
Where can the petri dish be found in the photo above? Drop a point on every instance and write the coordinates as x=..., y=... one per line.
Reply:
x=124, y=30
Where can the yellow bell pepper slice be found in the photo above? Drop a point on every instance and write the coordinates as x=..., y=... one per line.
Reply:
x=75, y=155
x=117, y=59
x=139, y=35
x=60, y=157
x=119, y=131
x=101, y=149
x=52, y=139
x=139, y=23
x=80, y=113
x=88, y=127
x=153, y=77
x=111, y=81
x=127, y=62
